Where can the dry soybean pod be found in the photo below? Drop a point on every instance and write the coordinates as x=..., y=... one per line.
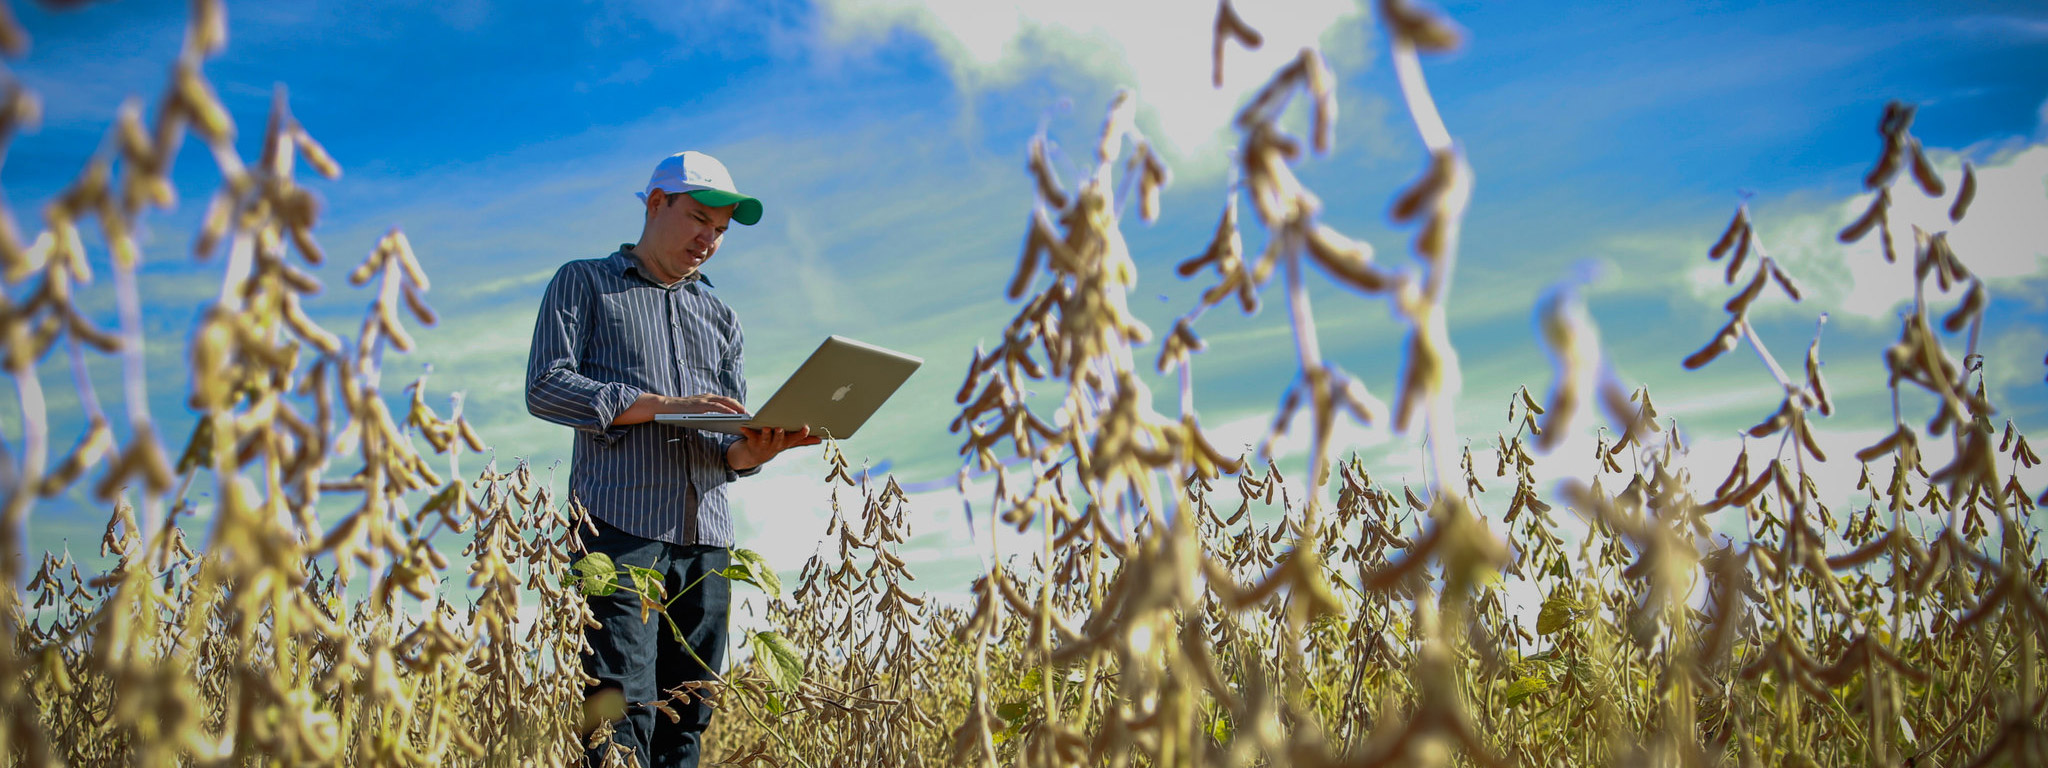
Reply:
x=1887, y=164
x=1872, y=216
x=1741, y=255
x=1229, y=26
x=1740, y=302
x=1737, y=227
x=1815, y=382
x=1971, y=306
x=1964, y=194
x=1723, y=341
x=1784, y=280
x=1923, y=171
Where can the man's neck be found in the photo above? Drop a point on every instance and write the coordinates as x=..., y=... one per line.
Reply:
x=652, y=268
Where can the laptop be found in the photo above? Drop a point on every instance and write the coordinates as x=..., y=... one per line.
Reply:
x=834, y=392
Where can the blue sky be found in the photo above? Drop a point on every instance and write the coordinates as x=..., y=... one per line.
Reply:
x=887, y=139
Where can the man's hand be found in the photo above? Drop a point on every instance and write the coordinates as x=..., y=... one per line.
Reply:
x=702, y=404
x=644, y=409
x=761, y=445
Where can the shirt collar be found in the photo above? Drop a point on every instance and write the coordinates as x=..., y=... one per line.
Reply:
x=625, y=262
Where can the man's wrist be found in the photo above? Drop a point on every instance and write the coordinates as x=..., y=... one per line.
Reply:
x=742, y=458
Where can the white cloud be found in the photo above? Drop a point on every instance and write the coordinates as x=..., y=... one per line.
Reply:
x=1163, y=51
x=2003, y=239
x=782, y=512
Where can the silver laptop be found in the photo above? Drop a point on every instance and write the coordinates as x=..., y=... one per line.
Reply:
x=834, y=392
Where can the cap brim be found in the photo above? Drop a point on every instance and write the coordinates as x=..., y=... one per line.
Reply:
x=746, y=210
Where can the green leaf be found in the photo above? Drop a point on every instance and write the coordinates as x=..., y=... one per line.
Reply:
x=597, y=576
x=1548, y=664
x=1560, y=609
x=1033, y=680
x=647, y=582
x=1521, y=690
x=764, y=574
x=748, y=566
x=1014, y=712
x=782, y=662
x=739, y=573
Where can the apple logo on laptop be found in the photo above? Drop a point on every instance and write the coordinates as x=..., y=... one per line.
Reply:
x=840, y=394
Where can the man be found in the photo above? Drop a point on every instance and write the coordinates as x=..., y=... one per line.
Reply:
x=621, y=339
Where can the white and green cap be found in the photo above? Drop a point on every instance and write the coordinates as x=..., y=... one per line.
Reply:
x=701, y=176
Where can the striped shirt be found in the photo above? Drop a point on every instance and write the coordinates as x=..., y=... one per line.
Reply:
x=607, y=333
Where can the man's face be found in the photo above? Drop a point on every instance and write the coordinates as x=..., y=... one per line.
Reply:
x=690, y=230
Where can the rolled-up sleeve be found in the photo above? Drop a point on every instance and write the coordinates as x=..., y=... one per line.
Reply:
x=555, y=389
x=725, y=445
x=736, y=353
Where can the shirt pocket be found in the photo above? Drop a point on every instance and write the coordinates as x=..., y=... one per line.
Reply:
x=621, y=343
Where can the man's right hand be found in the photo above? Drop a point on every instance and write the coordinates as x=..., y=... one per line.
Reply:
x=644, y=409
x=700, y=404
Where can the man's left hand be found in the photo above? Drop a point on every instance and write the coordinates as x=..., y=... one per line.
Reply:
x=761, y=445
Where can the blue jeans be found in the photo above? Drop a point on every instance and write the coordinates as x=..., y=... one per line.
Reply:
x=645, y=660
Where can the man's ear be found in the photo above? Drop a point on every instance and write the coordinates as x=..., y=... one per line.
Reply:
x=654, y=201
